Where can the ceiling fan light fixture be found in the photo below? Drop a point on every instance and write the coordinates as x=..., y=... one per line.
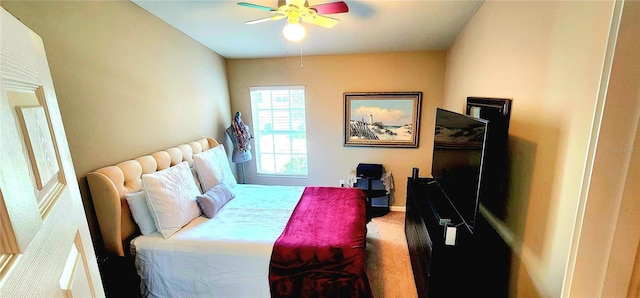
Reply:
x=299, y=10
x=294, y=32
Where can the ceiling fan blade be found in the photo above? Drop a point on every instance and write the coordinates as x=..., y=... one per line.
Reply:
x=273, y=18
x=323, y=21
x=258, y=21
x=251, y=5
x=328, y=8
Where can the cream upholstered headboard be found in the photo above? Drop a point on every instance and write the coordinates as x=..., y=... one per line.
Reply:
x=108, y=186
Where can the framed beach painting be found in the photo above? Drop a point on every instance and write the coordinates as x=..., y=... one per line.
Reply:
x=382, y=119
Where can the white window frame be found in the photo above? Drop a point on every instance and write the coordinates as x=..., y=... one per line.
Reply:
x=271, y=155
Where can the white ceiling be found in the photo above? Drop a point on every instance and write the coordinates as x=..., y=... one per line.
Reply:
x=370, y=26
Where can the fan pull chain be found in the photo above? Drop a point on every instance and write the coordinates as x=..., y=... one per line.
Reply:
x=301, y=65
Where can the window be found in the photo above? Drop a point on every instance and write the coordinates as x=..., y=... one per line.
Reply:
x=279, y=129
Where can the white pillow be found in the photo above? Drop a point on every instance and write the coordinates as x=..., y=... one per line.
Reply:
x=171, y=197
x=213, y=167
x=194, y=172
x=140, y=212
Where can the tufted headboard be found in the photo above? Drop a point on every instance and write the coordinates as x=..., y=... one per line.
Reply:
x=108, y=186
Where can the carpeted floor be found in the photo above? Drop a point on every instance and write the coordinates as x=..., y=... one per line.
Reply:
x=387, y=260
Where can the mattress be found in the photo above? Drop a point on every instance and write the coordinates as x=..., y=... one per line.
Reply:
x=226, y=256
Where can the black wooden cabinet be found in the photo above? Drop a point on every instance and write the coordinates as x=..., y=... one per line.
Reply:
x=498, y=112
x=476, y=265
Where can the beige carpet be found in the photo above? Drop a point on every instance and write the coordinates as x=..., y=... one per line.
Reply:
x=387, y=258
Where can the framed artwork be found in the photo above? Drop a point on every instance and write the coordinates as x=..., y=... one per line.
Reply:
x=382, y=119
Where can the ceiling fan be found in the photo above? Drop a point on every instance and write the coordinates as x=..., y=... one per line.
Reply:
x=299, y=10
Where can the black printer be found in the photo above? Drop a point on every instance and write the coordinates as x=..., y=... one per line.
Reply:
x=369, y=171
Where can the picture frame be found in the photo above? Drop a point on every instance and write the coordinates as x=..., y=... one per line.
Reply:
x=382, y=119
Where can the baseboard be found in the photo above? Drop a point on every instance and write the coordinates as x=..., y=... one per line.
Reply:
x=398, y=208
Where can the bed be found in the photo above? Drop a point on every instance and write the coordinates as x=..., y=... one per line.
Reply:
x=240, y=240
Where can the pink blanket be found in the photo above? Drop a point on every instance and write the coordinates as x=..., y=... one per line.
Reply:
x=320, y=253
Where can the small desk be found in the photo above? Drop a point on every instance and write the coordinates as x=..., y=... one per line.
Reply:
x=378, y=194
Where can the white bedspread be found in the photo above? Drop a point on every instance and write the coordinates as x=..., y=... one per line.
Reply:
x=226, y=256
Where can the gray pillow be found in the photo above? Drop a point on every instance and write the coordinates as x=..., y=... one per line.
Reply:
x=216, y=197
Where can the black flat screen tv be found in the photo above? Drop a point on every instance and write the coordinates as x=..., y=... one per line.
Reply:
x=457, y=165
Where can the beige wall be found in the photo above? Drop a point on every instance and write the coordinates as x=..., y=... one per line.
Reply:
x=326, y=78
x=127, y=83
x=547, y=57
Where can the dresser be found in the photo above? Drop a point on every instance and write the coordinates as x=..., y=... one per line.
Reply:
x=469, y=264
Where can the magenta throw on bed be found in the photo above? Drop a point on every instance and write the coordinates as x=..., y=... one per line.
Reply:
x=321, y=251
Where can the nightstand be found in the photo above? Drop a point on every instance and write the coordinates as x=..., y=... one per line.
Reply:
x=119, y=276
x=378, y=199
